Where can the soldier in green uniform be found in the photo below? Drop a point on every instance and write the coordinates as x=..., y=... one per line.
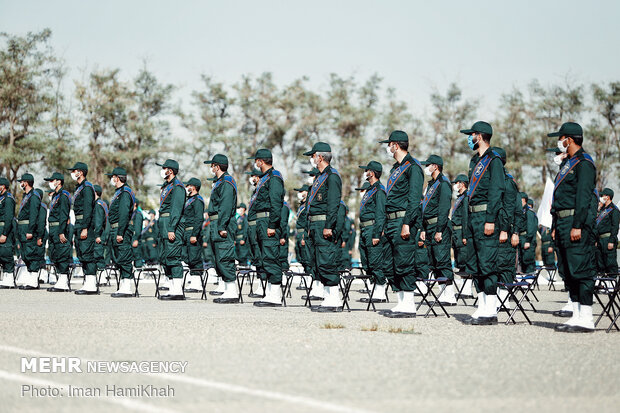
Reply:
x=527, y=238
x=7, y=236
x=83, y=203
x=149, y=239
x=607, y=231
x=171, y=205
x=242, y=249
x=487, y=183
x=509, y=233
x=192, y=237
x=574, y=210
x=436, y=229
x=101, y=228
x=137, y=221
x=323, y=204
x=122, y=205
x=267, y=202
x=60, y=232
x=372, y=222
x=458, y=219
x=404, y=193
x=350, y=241
x=342, y=235
x=252, y=241
x=318, y=289
x=284, y=234
x=26, y=231
x=360, y=247
x=221, y=213
x=41, y=237
x=547, y=247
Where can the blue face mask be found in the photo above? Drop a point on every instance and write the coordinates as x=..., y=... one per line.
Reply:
x=470, y=141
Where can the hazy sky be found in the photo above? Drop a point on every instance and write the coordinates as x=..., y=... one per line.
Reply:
x=487, y=46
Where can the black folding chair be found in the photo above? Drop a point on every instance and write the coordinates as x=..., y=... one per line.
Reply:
x=430, y=283
x=72, y=268
x=465, y=277
x=522, y=287
x=552, y=271
x=143, y=271
x=607, y=285
x=204, y=278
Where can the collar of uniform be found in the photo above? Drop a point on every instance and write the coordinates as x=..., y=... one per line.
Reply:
x=59, y=190
x=376, y=184
x=267, y=172
x=221, y=176
x=407, y=157
x=489, y=149
x=439, y=176
x=579, y=152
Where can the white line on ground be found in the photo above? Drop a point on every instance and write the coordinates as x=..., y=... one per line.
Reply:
x=196, y=381
x=125, y=402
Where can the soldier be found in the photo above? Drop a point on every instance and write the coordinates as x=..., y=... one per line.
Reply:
x=83, y=202
x=171, y=204
x=26, y=231
x=7, y=235
x=137, y=221
x=323, y=204
x=42, y=236
x=60, y=231
x=458, y=219
x=350, y=240
x=318, y=289
x=404, y=193
x=372, y=221
x=527, y=238
x=301, y=248
x=267, y=201
x=221, y=212
x=547, y=248
x=101, y=229
x=435, y=210
x=192, y=237
x=487, y=182
x=509, y=233
x=242, y=249
x=149, y=239
x=607, y=229
x=122, y=205
x=574, y=209
x=252, y=240
x=360, y=247
x=342, y=234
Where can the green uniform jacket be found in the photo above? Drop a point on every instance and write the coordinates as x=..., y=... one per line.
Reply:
x=193, y=215
x=341, y=232
x=100, y=218
x=29, y=210
x=373, y=207
x=460, y=213
x=491, y=186
x=84, y=205
x=223, y=201
x=352, y=234
x=302, y=221
x=269, y=197
x=42, y=224
x=59, y=211
x=510, y=208
x=532, y=226
x=438, y=206
x=405, y=193
x=609, y=223
x=7, y=213
x=327, y=191
x=285, y=212
x=137, y=219
x=576, y=191
x=241, y=233
x=172, y=201
x=121, y=208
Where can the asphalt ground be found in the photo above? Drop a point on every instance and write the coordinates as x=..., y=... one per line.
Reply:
x=246, y=359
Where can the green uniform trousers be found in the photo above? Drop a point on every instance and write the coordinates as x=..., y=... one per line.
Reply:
x=122, y=254
x=324, y=255
x=60, y=254
x=242, y=252
x=439, y=252
x=269, y=248
x=170, y=252
x=484, y=254
x=85, y=251
x=547, y=257
x=192, y=253
x=99, y=253
x=28, y=249
x=374, y=256
x=255, y=256
x=6, y=252
x=399, y=256
x=459, y=249
x=302, y=254
x=527, y=257
x=576, y=260
x=608, y=259
x=507, y=264
x=223, y=253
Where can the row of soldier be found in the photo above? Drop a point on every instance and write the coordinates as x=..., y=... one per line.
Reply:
x=405, y=232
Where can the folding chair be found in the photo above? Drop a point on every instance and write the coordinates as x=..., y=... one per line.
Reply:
x=430, y=283
x=111, y=269
x=72, y=268
x=289, y=275
x=607, y=285
x=145, y=271
x=523, y=287
x=465, y=277
x=552, y=271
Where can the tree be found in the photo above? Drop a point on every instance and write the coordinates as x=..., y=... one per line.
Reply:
x=605, y=134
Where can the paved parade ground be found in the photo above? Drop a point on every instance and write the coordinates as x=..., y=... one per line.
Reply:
x=242, y=358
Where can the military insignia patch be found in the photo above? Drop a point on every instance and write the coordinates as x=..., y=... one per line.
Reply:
x=319, y=197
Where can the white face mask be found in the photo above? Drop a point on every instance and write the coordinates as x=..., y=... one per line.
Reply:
x=367, y=175
x=52, y=186
x=389, y=152
x=602, y=200
x=313, y=162
x=22, y=186
x=455, y=187
x=256, y=166
x=300, y=197
x=561, y=146
x=74, y=176
x=427, y=171
x=558, y=159
x=163, y=174
x=112, y=182
x=252, y=181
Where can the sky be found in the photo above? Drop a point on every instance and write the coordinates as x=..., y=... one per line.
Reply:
x=416, y=46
